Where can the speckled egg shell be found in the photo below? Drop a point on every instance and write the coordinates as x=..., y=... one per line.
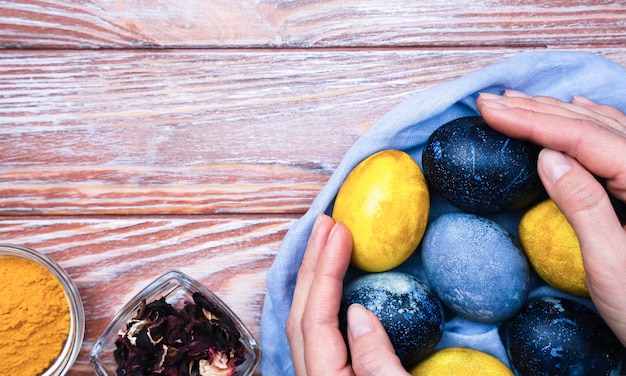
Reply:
x=407, y=308
x=556, y=336
x=479, y=169
x=475, y=267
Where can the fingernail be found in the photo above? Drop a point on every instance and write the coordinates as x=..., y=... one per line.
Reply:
x=583, y=100
x=334, y=229
x=317, y=222
x=315, y=226
x=495, y=105
x=359, y=322
x=493, y=101
x=554, y=164
x=490, y=96
x=516, y=94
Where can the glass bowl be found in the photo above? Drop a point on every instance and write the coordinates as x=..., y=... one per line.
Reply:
x=74, y=340
x=177, y=289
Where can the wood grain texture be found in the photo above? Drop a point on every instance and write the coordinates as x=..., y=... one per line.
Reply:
x=304, y=23
x=196, y=132
x=122, y=165
x=138, y=137
x=110, y=259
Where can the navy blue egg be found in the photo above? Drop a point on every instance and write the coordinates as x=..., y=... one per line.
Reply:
x=476, y=267
x=556, y=336
x=480, y=170
x=407, y=308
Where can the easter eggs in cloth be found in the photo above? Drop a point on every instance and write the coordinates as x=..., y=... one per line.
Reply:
x=385, y=203
x=460, y=361
x=408, y=309
x=553, y=248
x=479, y=169
x=475, y=267
x=555, y=336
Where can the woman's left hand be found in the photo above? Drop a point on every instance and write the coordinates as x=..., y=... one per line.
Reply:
x=317, y=345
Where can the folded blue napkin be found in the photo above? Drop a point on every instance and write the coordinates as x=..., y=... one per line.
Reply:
x=560, y=74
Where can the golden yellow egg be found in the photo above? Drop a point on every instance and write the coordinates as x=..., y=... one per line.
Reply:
x=553, y=249
x=457, y=361
x=384, y=202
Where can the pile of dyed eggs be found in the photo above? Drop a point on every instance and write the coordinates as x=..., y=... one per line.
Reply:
x=464, y=262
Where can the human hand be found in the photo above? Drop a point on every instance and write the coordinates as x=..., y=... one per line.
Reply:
x=581, y=139
x=317, y=345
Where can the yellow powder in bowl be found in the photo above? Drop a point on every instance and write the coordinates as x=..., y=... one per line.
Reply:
x=34, y=317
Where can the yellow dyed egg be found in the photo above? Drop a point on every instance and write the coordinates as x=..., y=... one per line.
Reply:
x=457, y=361
x=553, y=249
x=385, y=203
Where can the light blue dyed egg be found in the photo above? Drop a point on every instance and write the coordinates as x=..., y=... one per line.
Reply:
x=475, y=267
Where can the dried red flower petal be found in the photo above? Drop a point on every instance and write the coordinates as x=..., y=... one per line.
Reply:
x=199, y=340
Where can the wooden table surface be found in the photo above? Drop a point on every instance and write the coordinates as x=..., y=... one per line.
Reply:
x=142, y=136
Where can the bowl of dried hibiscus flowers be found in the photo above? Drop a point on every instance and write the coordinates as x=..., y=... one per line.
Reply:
x=177, y=327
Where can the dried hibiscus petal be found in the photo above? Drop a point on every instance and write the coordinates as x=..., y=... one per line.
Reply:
x=198, y=340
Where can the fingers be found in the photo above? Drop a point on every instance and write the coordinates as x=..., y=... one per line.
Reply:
x=587, y=207
x=566, y=127
x=308, y=332
x=580, y=197
x=371, y=349
x=317, y=242
x=325, y=351
x=608, y=111
x=317, y=346
x=582, y=139
x=579, y=108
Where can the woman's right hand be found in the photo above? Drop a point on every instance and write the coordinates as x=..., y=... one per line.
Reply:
x=582, y=140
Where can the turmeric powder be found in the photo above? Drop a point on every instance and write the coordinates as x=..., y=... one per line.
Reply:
x=34, y=317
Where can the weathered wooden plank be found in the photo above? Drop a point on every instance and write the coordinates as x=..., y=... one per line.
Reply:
x=193, y=132
x=364, y=23
x=183, y=132
x=111, y=258
x=111, y=159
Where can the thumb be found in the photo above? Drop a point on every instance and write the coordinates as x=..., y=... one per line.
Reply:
x=587, y=207
x=371, y=350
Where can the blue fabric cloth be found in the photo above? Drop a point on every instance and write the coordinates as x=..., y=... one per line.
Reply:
x=560, y=74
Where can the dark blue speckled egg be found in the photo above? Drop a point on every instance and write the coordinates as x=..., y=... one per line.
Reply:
x=479, y=169
x=407, y=308
x=556, y=336
x=476, y=267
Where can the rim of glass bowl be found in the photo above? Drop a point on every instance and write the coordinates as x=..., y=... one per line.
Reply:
x=74, y=341
x=170, y=285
